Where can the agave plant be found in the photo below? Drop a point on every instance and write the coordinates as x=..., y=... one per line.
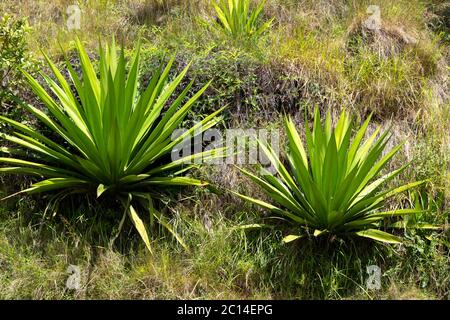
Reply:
x=333, y=185
x=115, y=139
x=238, y=20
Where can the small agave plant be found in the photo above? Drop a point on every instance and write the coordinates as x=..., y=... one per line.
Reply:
x=333, y=186
x=115, y=139
x=238, y=20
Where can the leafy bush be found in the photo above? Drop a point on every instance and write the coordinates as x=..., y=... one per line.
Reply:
x=235, y=81
x=13, y=55
x=115, y=140
x=332, y=189
x=236, y=19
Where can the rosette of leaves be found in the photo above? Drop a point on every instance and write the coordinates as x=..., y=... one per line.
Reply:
x=333, y=185
x=116, y=139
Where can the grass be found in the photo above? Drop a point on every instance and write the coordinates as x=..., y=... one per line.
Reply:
x=316, y=53
x=227, y=265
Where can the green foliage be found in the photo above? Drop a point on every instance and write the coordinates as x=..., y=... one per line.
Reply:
x=12, y=45
x=13, y=55
x=439, y=19
x=334, y=188
x=310, y=57
x=234, y=80
x=238, y=20
x=430, y=208
x=115, y=140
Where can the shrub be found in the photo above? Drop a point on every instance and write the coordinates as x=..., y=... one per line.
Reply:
x=115, y=140
x=13, y=55
x=334, y=188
